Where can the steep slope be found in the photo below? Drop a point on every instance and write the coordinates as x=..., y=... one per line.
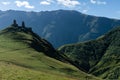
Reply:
x=100, y=57
x=26, y=56
x=61, y=26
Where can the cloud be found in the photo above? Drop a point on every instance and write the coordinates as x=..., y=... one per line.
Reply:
x=98, y=2
x=93, y=1
x=85, y=11
x=46, y=2
x=101, y=2
x=69, y=3
x=24, y=3
x=6, y=3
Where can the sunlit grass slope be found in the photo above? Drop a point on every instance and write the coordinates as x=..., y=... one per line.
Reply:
x=19, y=60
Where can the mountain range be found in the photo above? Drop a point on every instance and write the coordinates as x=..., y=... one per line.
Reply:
x=61, y=26
x=25, y=55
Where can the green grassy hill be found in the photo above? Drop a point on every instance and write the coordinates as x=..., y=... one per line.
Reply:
x=26, y=56
x=100, y=57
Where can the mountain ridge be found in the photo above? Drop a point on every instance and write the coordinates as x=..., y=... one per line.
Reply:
x=59, y=26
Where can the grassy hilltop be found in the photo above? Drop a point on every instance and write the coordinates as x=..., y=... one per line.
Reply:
x=26, y=56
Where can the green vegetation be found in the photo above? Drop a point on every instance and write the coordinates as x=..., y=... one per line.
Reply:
x=10, y=71
x=20, y=59
x=100, y=57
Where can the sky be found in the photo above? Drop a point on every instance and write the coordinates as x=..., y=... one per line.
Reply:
x=104, y=8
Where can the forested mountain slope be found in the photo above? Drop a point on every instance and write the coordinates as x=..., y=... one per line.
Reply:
x=100, y=57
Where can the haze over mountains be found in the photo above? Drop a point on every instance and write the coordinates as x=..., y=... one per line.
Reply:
x=61, y=26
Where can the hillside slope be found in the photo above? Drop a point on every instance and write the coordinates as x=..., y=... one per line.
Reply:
x=26, y=56
x=61, y=26
x=100, y=57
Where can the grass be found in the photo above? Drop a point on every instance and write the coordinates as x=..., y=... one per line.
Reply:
x=10, y=71
x=18, y=61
